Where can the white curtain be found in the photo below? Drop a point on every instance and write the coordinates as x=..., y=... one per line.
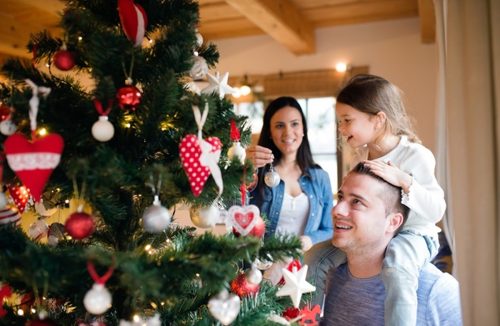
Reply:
x=468, y=36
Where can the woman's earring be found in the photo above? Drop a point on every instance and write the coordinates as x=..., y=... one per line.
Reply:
x=272, y=178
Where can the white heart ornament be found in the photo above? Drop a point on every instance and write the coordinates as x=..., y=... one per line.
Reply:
x=225, y=307
x=244, y=218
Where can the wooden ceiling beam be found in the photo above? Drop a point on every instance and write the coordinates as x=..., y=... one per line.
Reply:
x=427, y=21
x=281, y=20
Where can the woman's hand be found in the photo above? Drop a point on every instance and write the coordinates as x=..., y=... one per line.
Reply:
x=259, y=156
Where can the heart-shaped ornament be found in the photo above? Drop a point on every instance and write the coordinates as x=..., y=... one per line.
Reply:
x=34, y=161
x=225, y=307
x=244, y=218
x=190, y=153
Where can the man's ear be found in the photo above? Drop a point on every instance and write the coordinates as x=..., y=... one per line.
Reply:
x=395, y=221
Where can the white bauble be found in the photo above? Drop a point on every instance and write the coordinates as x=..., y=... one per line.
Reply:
x=254, y=275
x=156, y=218
x=103, y=130
x=199, y=39
x=7, y=127
x=272, y=178
x=236, y=150
x=97, y=300
x=199, y=69
x=204, y=217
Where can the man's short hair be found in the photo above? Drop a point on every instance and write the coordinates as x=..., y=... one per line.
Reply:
x=391, y=195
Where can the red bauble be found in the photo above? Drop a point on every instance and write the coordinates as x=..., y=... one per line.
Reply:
x=80, y=225
x=64, y=60
x=5, y=112
x=242, y=287
x=129, y=97
x=291, y=313
x=258, y=230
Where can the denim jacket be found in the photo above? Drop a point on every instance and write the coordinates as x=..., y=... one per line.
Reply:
x=315, y=183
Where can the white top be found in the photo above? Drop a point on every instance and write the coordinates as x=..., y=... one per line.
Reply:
x=293, y=215
x=426, y=197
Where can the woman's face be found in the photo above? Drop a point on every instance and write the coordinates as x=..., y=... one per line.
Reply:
x=287, y=130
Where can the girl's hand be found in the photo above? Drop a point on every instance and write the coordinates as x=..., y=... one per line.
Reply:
x=391, y=174
x=259, y=156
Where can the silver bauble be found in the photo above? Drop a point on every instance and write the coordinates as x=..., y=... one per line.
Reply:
x=97, y=300
x=272, y=178
x=199, y=69
x=156, y=218
x=102, y=129
x=204, y=217
x=236, y=150
x=7, y=127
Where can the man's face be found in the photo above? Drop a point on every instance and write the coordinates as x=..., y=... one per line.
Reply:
x=359, y=218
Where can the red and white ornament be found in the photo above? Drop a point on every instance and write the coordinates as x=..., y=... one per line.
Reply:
x=63, y=59
x=242, y=287
x=133, y=19
x=9, y=215
x=102, y=129
x=34, y=161
x=236, y=150
x=246, y=220
x=20, y=195
x=98, y=299
x=190, y=153
x=80, y=225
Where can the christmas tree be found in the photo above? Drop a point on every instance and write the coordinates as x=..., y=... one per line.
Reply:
x=109, y=118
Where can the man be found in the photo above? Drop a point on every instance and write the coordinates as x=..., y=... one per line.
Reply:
x=367, y=216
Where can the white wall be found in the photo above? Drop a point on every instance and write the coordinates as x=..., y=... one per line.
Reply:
x=391, y=49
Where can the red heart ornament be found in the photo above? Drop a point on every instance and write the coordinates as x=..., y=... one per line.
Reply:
x=190, y=152
x=243, y=219
x=20, y=196
x=34, y=161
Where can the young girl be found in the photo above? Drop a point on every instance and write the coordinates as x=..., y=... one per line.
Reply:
x=372, y=119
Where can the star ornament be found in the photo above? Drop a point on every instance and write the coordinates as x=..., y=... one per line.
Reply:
x=295, y=285
x=219, y=85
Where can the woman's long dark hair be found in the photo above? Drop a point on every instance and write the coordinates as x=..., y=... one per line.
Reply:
x=304, y=155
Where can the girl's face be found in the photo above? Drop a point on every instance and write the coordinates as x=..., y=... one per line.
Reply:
x=287, y=130
x=358, y=128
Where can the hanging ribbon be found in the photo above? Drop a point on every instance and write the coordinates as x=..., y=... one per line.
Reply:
x=35, y=101
x=99, y=279
x=100, y=110
x=208, y=157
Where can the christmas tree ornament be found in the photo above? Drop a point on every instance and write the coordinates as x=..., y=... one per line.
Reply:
x=133, y=19
x=5, y=112
x=199, y=39
x=20, y=195
x=153, y=321
x=5, y=292
x=55, y=234
x=236, y=150
x=291, y=313
x=204, y=217
x=156, y=218
x=254, y=275
x=7, y=127
x=33, y=161
x=128, y=96
x=294, y=264
x=9, y=216
x=295, y=285
x=102, y=129
x=98, y=299
x=200, y=157
x=63, y=59
x=225, y=307
x=272, y=178
x=218, y=84
x=246, y=220
x=309, y=316
x=263, y=264
x=242, y=287
x=199, y=69
x=80, y=225
x=38, y=229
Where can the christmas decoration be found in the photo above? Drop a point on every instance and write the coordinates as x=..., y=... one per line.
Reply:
x=291, y=313
x=98, y=299
x=80, y=225
x=218, y=85
x=199, y=39
x=204, y=217
x=102, y=129
x=153, y=321
x=5, y=112
x=133, y=19
x=20, y=195
x=129, y=97
x=5, y=292
x=156, y=218
x=7, y=127
x=272, y=178
x=246, y=220
x=9, y=216
x=295, y=285
x=236, y=150
x=294, y=264
x=254, y=275
x=56, y=234
x=199, y=69
x=242, y=287
x=38, y=229
x=309, y=316
x=63, y=59
x=225, y=307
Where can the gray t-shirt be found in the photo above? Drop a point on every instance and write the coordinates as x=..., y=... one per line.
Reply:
x=354, y=301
